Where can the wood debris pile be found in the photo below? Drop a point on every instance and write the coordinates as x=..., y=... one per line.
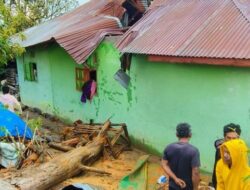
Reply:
x=116, y=137
x=83, y=144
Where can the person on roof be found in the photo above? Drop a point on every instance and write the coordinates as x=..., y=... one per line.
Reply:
x=9, y=101
x=232, y=170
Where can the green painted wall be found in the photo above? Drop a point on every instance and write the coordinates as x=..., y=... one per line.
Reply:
x=160, y=96
x=207, y=97
x=36, y=93
x=67, y=99
x=57, y=69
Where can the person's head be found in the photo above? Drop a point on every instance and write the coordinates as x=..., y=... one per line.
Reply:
x=234, y=153
x=5, y=89
x=231, y=131
x=183, y=130
x=226, y=156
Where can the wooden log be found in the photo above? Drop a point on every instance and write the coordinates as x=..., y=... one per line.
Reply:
x=60, y=168
x=60, y=147
x=71, y=142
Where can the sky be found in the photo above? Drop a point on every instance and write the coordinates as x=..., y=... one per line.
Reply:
x=82, y=1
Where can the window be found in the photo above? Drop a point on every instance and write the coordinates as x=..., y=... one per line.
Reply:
x=83, y=75
x=30, y=71
x=125, y=61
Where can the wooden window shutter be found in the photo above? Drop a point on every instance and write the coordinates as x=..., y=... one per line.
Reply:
x=32, y=76
x=86, y=74
x=81, y=75
x=27, y=71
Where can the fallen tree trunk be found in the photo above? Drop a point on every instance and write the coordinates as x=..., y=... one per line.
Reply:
x=61, y=168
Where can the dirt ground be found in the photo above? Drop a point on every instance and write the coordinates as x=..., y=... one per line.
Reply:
x=117, y=167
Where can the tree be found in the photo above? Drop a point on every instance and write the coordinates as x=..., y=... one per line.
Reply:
x=41, y=10
x=9, y=25
x=17, y=15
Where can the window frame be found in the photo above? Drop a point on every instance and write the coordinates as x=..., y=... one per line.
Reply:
x=81, y=76
x=30, y=71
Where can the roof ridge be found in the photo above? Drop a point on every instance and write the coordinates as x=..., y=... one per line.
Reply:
x=200, y=29
x=236, y=4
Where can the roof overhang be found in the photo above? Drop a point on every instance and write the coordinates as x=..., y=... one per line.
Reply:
x=207, y=61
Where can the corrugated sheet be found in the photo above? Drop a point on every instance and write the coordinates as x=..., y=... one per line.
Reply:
x=142, y=5
x=192, y=28
x=80, y=31
x=157, y=3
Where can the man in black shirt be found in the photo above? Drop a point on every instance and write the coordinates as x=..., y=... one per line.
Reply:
x=181, y=161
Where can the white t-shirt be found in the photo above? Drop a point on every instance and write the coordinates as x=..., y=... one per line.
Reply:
x=10, y=102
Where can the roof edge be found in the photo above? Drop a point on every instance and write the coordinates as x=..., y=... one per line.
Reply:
x=201, y=60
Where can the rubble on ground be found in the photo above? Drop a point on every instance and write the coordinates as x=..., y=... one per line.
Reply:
x=51, y=142
x=33, y=152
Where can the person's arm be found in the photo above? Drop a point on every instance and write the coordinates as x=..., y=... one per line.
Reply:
x=171, y=174
x=195, y=177
x=17, y=105
x=195, y=164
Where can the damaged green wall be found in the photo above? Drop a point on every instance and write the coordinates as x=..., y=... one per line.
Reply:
x=67, y=99
x=55, y=91
x=207, y=97
x=159, y=97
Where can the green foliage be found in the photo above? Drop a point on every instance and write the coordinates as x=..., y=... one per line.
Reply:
x=2, y=72
x=17, y=15
x=9, y=25
x=4, y=130
x=35, y=123
x=41, y=10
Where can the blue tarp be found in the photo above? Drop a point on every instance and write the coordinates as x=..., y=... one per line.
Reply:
x=13, y=124
x=1, y=106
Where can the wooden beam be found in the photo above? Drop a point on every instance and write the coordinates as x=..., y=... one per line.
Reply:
x=116, y=137
x=207, y=61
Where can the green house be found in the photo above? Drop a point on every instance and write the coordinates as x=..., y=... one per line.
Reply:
x=63, y=53
x=189, y=63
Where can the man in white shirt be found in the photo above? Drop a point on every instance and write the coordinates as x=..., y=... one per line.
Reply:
x=9, y=101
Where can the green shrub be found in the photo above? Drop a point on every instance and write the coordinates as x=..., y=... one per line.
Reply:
x=35, y=123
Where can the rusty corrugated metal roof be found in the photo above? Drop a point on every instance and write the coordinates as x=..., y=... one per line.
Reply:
x=192, y=28
x=142, y=5
x=80, y=31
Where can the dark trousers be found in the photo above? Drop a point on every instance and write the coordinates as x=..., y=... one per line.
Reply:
x=172, y=188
